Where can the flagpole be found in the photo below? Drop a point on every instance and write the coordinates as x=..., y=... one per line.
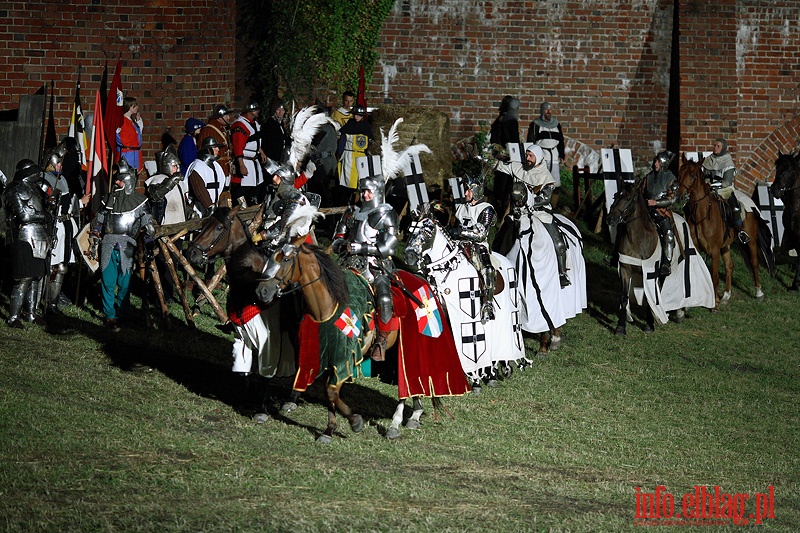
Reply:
x=44, y=121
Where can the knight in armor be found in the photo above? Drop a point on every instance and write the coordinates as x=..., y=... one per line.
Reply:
x=530, y=196
x=66, y=208
x=545, y=131
x=30, y=223
x=206, y=177
x=474, y=219
x=167, y=191
x=366, y=240
x=122, y=216
x=660, y=188
x=248, y=156
x=720, y=172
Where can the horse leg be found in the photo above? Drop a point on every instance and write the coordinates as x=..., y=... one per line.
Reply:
x=555, y=339
x=715, y=277
x=794, y=286
x=291, y=403
x=544, y=341
x=335, y=402
x=649, y=321
x=752, y=228
x=726, y=258
x=413, y=422
x=394, y=428
x=622, y=319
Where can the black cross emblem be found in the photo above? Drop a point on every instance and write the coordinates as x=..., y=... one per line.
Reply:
x=472, y=333
x=469, y=291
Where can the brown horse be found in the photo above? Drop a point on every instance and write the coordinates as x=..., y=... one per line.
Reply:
x=785, y=186
x=710, y=231
x=637, y=238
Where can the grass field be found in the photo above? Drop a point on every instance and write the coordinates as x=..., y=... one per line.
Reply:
x=135, y=431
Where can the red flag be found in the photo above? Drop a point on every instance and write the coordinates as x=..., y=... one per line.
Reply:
x=97, y=175
x=114, y=114
x=77, y=127
x=361, y=97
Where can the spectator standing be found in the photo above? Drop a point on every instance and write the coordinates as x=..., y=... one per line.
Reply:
x=187, y=149
x=504, y=130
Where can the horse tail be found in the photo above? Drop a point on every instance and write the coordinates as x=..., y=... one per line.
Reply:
x=765, y=246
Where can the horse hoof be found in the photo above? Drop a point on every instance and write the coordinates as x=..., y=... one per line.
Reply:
x=476, y=389
x=679, y=316
x=759, y=294
x=793, y=288
x=555, y=344
x=357, y=423
x=260, y=418
x=288, y=407
x=648, y=330
x=324, y=439
x=412, y=424
x=725, y=297
x=714, y=310
x=620, y=331
x=491, y=383
x=392, y=433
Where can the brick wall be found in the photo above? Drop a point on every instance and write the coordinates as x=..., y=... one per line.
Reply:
x=605, y=68
x=177, y=56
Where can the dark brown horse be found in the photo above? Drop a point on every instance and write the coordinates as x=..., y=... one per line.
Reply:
x=637, y=238
x=785, y=187
x=710, y=231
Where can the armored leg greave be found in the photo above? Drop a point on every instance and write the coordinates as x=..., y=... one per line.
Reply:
x=32, y=299
x=561, y=253
x=18, y=293
x=488, y=276
x=383, y=297
x=57, y=281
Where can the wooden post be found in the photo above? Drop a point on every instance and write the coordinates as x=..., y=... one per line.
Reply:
x=162, y=242
x=190, y=270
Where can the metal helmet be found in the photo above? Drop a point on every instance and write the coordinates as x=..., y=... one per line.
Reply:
x=55, y=156
x=126, y=175
x=28, y=171
x=251, y=106
x=377, y=185
x=473, y=184
x=208, y=145
x=359, y=109
x=665, y=158
x=221, y=111
x=164, y=162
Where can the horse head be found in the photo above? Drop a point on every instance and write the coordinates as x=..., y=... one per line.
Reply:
x=691, y=180
x=280, y=272
x=215, y=237
x=625, y=203
x=787, y=171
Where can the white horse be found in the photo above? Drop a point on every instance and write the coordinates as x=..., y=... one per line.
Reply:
x=547, y=306
x=483, y=348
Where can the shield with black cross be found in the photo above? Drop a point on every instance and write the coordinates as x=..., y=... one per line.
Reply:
x=415, y=183
x=469, y=296
x=689, y=251
x=652, y=276
x=617, y=168
x=771, y=210
x=368, y=166
x=458, y=190
x=473, y=340
x=517, y=329
x=511, y=279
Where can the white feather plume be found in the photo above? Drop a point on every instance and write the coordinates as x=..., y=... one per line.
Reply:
x=392, y=162
x=306, y=123
x=300, y=221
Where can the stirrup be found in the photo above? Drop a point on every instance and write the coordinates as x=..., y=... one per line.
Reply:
x=744, y=238
x=378, y=350
x=564, y=280
x=665, y=270
x=487, y=312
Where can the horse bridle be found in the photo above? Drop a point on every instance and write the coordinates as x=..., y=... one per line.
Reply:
x=217, y=239
x=623, y=218
x=290, y=250
x=788, y=169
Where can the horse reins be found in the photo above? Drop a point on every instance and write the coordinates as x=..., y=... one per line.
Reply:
x=290, y=275
x=217, y=239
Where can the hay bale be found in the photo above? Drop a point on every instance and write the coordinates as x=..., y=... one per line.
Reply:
x=425, y=125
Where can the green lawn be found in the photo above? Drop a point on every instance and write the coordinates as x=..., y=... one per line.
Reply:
x=135, y=431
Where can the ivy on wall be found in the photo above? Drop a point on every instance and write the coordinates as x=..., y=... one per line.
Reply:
x=295, y=46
